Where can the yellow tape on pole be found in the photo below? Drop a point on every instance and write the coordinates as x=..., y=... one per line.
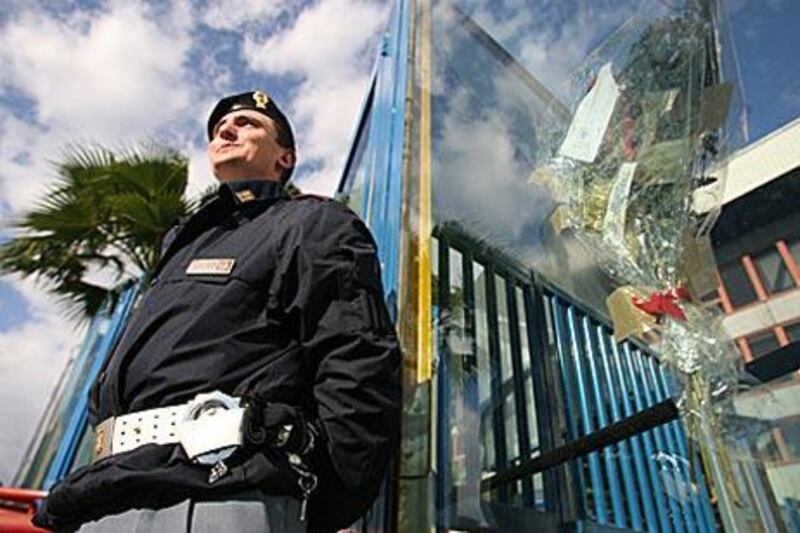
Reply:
x=424, y=321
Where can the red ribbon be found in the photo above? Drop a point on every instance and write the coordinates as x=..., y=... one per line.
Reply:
x=664, y=303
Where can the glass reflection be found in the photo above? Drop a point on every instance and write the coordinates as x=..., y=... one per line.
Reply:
x=488, y=122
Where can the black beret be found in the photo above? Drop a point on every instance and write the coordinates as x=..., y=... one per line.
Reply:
x=257, y=101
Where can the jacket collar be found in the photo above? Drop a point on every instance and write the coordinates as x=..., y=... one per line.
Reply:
x=246, y=191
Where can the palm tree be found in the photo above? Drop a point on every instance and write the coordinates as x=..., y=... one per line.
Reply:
x=107, y=210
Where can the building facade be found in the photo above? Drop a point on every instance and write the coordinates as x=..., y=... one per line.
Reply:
x=757, y=244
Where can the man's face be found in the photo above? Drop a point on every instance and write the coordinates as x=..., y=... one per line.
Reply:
x=245, y=146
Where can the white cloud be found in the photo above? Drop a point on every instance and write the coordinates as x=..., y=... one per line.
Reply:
x=32, y=357
x=25, y=149
x=232, y=14
x=112, y=75
x=326, y=41
x=200, y=175
x=331, y=46
x=550, y=45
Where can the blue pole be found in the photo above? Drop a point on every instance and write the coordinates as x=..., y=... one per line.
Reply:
x=668, y=474
x=647, y=441
x=614, y=394
x=685, y=497
x=586, y=419
x=569, y=401
x=700, y=499
x=602, y=421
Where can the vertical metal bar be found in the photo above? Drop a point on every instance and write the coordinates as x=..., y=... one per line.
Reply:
x=519, y=387
x=561, y=338
x=528, y=384
x=483, y=358
x=646, y=399
x=647, y=440
x=615, y=391
x=644, y=494
x=546, y=392
x=683, y=482
x=471, y=433
x=442, y=364
x=507, y=376
x=598, y=496
x=602, y=421
x=706, y=514
x=498, y=421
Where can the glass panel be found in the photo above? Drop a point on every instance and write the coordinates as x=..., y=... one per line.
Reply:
x=356, y=182
x=737, y=284
x=63, y=408
x=762, y=343
x=530, y=402
x=774, y=274
x=766, y=451
x=84, y=452
x=489, y=117
x=483, y=131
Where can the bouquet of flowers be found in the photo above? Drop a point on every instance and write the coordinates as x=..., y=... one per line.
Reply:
x=650, y=125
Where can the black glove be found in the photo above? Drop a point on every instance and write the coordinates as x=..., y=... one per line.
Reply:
x=277, y=425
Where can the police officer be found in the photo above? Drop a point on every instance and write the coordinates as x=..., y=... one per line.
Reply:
x=256, y=386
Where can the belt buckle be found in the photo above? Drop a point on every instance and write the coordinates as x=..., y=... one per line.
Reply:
x=206, y=442
x=103, y=439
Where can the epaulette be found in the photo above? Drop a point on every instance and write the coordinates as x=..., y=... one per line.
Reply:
x=326, y=199
x=319, y=197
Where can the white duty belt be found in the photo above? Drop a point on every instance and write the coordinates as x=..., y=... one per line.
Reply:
x=209, y=428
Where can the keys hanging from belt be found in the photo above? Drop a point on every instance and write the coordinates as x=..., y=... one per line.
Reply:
x=306, y=480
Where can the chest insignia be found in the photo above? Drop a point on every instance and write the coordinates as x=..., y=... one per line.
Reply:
x=205, y=267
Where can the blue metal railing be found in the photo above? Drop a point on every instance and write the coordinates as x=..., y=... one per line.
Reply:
x=642, y=483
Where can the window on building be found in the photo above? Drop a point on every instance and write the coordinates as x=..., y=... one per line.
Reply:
x=793, y=331
x=762, y=343
x=794, y=248
x=790, y=432
x=737, y=284
x=773, y=271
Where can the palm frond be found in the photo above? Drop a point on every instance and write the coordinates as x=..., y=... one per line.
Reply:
x=107, y=208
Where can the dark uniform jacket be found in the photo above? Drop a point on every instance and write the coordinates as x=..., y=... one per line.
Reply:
x=299, y=319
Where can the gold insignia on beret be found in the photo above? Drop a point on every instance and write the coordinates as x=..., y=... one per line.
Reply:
x=261, y=99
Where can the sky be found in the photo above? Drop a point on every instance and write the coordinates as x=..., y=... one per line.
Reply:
x=134, y=71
